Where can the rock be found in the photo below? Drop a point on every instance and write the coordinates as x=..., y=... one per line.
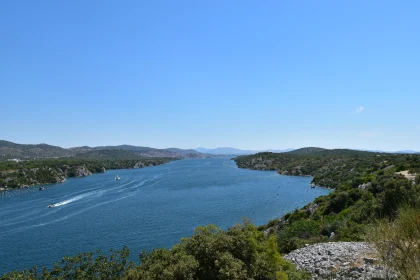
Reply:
x=340, y=260
x=60, y=179
x=139, y=165
x=365, y=185
x=82, y=172
x=369, y=260
x=312, y=207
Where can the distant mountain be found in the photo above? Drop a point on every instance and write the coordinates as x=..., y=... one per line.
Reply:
x=279, y=151
x=130, y=148
x=234, y=151
x=10, y=150
x=407, y=152
x=225, y=151
x=152, y=152
x=393, y=152
x=190, y=153
x=110, y=154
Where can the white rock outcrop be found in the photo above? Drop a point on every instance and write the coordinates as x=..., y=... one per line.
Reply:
x=340, y=260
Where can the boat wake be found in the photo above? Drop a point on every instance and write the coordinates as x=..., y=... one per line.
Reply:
x=73, y=199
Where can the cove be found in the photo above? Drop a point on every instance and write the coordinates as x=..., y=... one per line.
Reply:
x=147, y=208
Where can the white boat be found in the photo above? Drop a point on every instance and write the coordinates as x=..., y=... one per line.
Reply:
x=117, y=178
x=51, y=205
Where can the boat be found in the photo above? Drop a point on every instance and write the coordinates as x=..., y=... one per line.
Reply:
x=41, y=189
x=117, y=178
x=51, y=205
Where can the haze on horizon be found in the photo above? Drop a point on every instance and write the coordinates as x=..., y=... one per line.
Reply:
x=191, y=74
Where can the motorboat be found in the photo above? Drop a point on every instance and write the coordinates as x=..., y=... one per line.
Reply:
x=51, y=205
x=117, y=178
x=41, y=188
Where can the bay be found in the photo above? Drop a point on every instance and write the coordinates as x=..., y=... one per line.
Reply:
x=147, y=208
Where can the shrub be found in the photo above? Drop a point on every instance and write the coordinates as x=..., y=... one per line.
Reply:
x=242, y=252
x=398, y=242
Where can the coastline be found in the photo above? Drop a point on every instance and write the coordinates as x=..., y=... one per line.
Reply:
x=285, y=173
x=292, y=175
x=282, y=172
x=59, y=175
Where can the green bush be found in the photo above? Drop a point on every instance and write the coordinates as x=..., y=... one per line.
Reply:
x=242, y=252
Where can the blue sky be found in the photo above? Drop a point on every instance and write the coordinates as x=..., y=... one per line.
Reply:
x=246, y=74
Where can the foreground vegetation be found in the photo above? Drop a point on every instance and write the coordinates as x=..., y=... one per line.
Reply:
x=50, y=171
x=242, y=252
x=345, y=214
x=398, y=242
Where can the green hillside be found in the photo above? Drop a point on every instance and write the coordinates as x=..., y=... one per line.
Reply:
x=332, y=168
x=368, y=186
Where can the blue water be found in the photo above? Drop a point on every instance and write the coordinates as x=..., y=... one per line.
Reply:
x=147, y=208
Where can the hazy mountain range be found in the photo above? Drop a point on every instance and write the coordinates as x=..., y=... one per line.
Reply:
x=234, y=151
x=10, y=150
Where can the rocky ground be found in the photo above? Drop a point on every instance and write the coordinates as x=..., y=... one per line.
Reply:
x=340, y=260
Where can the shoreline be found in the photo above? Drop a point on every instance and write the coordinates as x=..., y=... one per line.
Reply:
x=291, y=175
x=283, y=174
x=82, y=171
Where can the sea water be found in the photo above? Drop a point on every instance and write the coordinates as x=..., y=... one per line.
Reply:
x=147, y=208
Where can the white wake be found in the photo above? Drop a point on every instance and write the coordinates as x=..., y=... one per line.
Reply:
x=73, y=199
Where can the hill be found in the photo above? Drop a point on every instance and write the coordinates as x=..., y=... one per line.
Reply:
x=331, y=168
x=107, y=155
x=10, y=150
x=137, y=149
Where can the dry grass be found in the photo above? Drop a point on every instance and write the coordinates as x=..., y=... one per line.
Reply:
x=398, y=242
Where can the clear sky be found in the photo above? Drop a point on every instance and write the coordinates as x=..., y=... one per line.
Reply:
x=187, y=74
